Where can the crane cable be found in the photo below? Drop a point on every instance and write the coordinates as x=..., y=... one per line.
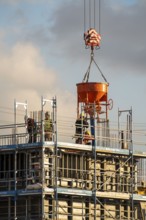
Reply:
x=90, y=13
x=86, y=76
x=99, y=16
x=94, y=15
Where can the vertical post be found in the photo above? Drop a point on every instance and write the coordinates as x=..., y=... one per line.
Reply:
x=55, y=152
x=26, y=210
x=129, y=134
x=15, y=159
x=16, y=104
x=92, y=123
x=15, y=187
x=15, y=107
x=26, y=174
x=42, y=140
x=119, y=113
x=43, y=102
x=9, y=207
x=132, y=161
x=55, y=171
x=94, y=156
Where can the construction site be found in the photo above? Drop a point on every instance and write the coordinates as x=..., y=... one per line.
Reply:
x=97, y=174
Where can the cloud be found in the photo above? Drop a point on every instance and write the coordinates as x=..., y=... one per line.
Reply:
x=67, y=28
x=25, y=76
x=122, y=30
x=123, y=36
x=19, y=17
x=24, y=66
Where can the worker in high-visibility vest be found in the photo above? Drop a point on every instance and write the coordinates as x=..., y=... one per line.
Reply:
x=48, y=127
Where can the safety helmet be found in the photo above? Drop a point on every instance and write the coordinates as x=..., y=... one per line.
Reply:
x=87, y=132
x=82, y=115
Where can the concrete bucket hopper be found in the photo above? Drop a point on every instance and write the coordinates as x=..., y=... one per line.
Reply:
x=92, y=92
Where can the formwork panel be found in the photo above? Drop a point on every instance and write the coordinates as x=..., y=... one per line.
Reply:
x=112, y=173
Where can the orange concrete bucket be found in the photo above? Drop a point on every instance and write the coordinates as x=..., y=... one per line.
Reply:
x=91, y=92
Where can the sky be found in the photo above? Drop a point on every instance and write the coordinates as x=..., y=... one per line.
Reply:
x=42, y=53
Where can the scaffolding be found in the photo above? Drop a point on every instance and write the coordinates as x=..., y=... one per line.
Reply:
x=67, y=181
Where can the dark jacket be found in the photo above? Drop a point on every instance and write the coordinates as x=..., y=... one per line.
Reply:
x=81, y=124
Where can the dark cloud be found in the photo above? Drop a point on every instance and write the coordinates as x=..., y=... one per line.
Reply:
x=61, y=35
x=122, y=29
x=68, y=28
x=124, y=34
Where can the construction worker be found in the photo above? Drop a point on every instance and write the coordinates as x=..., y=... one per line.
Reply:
x=81, y=124
x=32, y=129
x=87, y=138
x=48, y=127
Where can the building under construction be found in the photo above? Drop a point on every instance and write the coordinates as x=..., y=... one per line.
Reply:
x=101, y=179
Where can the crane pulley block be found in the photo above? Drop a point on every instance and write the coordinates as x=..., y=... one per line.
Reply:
x=92, y=38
